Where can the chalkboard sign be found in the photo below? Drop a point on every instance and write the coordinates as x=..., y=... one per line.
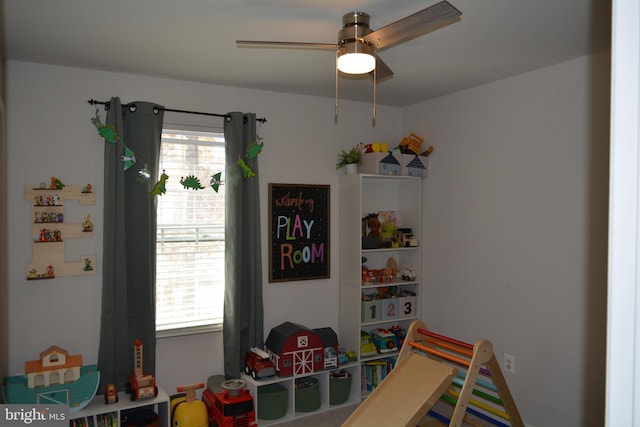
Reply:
x=298, y=232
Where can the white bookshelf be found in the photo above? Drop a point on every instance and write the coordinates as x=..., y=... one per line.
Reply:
x=360, y=195
x=97, y=409
x=288, y=383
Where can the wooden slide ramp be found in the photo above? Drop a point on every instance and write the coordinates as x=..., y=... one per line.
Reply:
x=406, y=394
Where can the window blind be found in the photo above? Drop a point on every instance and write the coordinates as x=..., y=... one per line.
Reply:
x=190, y=233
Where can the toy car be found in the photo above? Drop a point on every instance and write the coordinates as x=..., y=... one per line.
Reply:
x=384, y=340
x=257, y=364
x=400, y=334
x=367, y=347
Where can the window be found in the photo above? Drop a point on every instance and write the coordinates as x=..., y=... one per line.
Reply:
x=190, y=235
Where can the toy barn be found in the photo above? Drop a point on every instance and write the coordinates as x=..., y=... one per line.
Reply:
x=297, y=350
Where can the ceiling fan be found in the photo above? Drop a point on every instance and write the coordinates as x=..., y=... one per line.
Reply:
x=357, y=43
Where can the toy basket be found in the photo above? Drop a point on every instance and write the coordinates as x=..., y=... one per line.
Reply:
x=339, y=387
x=307, y=394
x=272, y=401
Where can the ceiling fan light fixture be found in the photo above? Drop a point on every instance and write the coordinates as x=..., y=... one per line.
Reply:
x=356, y=58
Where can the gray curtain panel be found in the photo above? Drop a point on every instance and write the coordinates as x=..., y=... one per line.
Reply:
x=243, y=311
x=129, y=247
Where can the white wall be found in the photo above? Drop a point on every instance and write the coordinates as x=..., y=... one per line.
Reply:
x=49, y=133
x=516, y=230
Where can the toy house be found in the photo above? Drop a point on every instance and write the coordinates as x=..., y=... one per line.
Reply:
x=389, y=165
x=295, y=349
x=380, y=163
x=415, y=166
x=55, y=366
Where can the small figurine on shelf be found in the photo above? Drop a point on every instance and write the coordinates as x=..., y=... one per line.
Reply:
x=110, y=394
x=87, y=225
x=375, y=227
x=56, y=184
x=87, y=265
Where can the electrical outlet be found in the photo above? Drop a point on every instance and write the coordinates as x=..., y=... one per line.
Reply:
x=510, y=363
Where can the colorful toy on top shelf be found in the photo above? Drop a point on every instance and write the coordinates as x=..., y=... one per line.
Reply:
x=140, y=385
x=411, y=144
x=186, y=410
x=56, y=377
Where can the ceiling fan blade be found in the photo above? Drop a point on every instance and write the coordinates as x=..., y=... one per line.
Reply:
x=287, y=44
x=382, y=70
x=429, y=19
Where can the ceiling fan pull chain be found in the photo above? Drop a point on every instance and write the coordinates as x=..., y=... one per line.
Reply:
x=373, y=122
x=335, y=119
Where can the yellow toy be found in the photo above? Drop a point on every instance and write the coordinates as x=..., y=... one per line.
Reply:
x=186, y=410
x=411, y=144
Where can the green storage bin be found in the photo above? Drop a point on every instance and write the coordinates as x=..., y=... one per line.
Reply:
x=339, y=387
x=307, y=394
x=272, y=401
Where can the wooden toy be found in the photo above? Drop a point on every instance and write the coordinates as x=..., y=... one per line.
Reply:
x=426, y=370
x=140, y=385
x=56, y=377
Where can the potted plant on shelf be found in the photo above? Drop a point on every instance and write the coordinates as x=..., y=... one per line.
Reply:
x=350, y=159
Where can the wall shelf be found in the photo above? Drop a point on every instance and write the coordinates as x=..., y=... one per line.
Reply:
x=50, y=230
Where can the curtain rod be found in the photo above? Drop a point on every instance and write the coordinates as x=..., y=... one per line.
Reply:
x=107, y=103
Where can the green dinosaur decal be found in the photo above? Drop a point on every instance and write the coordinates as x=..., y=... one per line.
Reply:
x=160, y=188
x=192, y=182
x=216, y=181
x=254, y=149
x=107, y=132
x=246, y=170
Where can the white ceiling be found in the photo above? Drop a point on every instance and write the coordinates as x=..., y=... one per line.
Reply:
x=195, y=40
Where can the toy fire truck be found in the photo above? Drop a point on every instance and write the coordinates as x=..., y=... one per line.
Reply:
x=229, y=403
x=140, y=385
